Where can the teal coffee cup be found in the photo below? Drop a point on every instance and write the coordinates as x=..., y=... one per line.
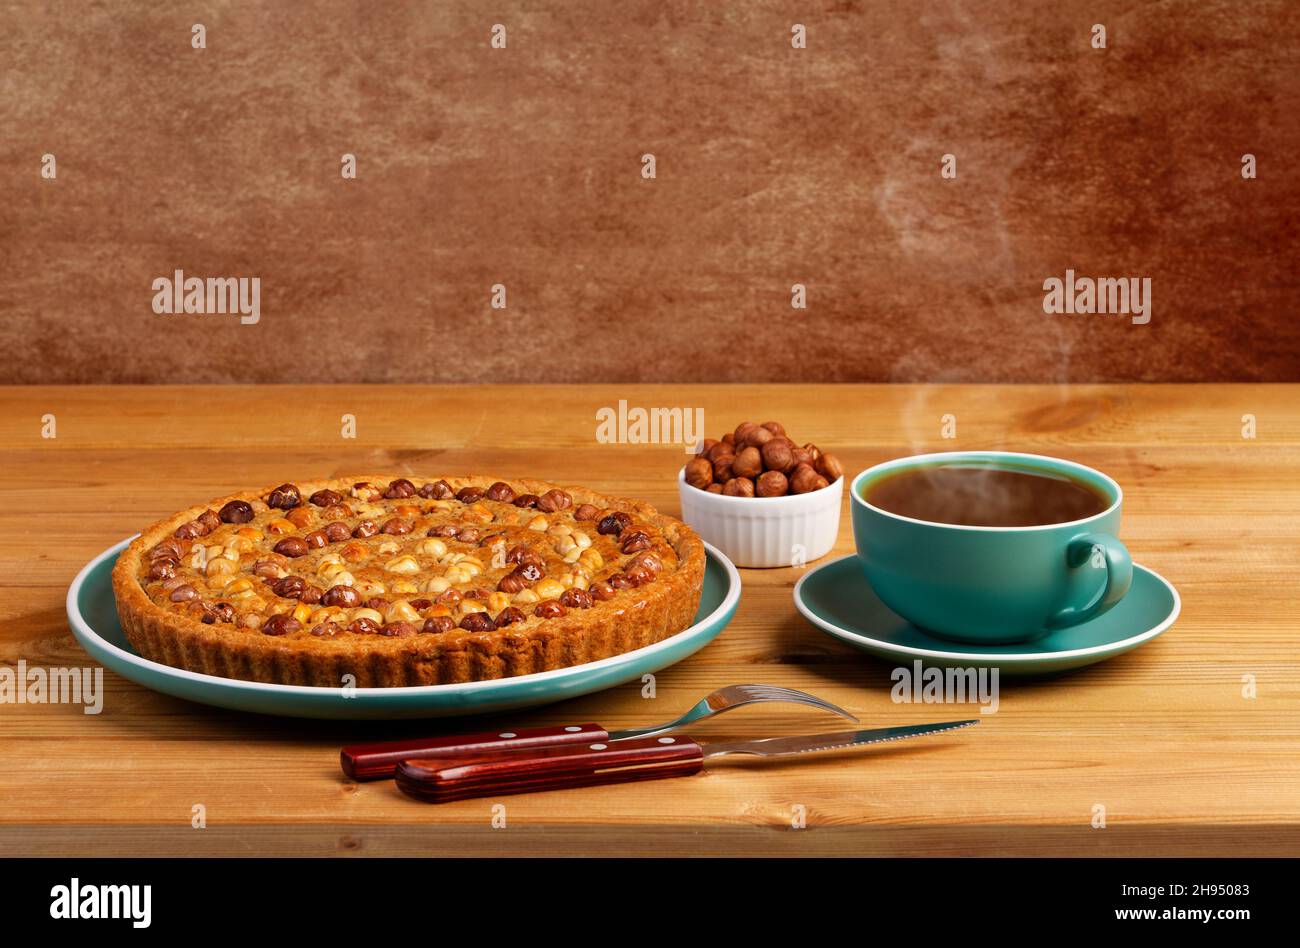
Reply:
x=990, y=584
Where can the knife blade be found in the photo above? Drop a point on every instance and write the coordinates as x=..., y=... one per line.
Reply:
x=500, y=773
x=811, y=743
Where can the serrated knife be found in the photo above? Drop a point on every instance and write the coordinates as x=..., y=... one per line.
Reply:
x=499, y=773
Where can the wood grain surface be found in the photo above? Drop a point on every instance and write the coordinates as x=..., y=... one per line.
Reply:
x=1163, y=737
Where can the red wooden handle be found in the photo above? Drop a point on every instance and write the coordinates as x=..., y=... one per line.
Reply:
x=377, y=761
x=443, y=779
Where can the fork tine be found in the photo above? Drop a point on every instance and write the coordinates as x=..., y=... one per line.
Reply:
x=778, y=693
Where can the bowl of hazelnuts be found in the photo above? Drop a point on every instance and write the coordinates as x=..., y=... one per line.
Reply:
x=761, y=498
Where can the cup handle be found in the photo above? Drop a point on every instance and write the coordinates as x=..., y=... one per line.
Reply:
x=1091, y=551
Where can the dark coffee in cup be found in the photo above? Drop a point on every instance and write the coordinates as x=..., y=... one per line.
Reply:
x=976, y=495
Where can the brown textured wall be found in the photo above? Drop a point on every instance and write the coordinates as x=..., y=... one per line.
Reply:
x=775, y=166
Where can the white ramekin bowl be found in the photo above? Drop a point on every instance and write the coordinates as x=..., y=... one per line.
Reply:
x=765, y=531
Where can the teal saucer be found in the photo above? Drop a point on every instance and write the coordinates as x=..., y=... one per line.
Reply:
x=92, y=613
x=836, y=598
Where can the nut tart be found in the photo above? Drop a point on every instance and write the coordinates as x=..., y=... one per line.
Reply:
x=382, y=583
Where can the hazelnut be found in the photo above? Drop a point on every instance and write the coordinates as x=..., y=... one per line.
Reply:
x=576, y=599
x=237, y=511
x=778, y=455
x=803, y=480
x=758, y=437
x=699, y=473
x=477, y=622
x=284, y=497
x=554, y=500
x=820, y=482
x=501, y=491
x=337, y=531
x=292, y=547
x=530, y=572
x=739, y=487
x=591, y=511
x=184, y=593
x=438, y=624
x=400, y=489
x=602, y=590
x=397, y=629
x=742, y=432
x=749, y=462
x=829, y=467
x=775, y=427
x=729, y=439
x=635, y=541
x=470, y=495
x=326, y=498
x=280, y=625
x=511, y=583
x=439, y=490
x=509, y=616
x=639, y=575
x=527, y=500
x=550, y=609
x=291, y=587
x=800, y=456
x=705, y=446
x=344, y=596
x=814, y=452
x=614, y=523
x=714, y=488
x=722, y=467
x=300, y=516
x=317, y=538
x=772, y=484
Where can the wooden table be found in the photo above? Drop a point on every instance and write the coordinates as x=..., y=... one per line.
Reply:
x=1163, y=738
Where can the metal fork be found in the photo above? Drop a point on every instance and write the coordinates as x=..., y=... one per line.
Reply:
x=725, y=699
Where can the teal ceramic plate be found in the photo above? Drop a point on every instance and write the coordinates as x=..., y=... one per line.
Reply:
x=92, y=612
x=836, y=598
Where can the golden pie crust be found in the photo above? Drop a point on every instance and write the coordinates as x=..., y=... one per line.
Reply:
x=215, y=630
